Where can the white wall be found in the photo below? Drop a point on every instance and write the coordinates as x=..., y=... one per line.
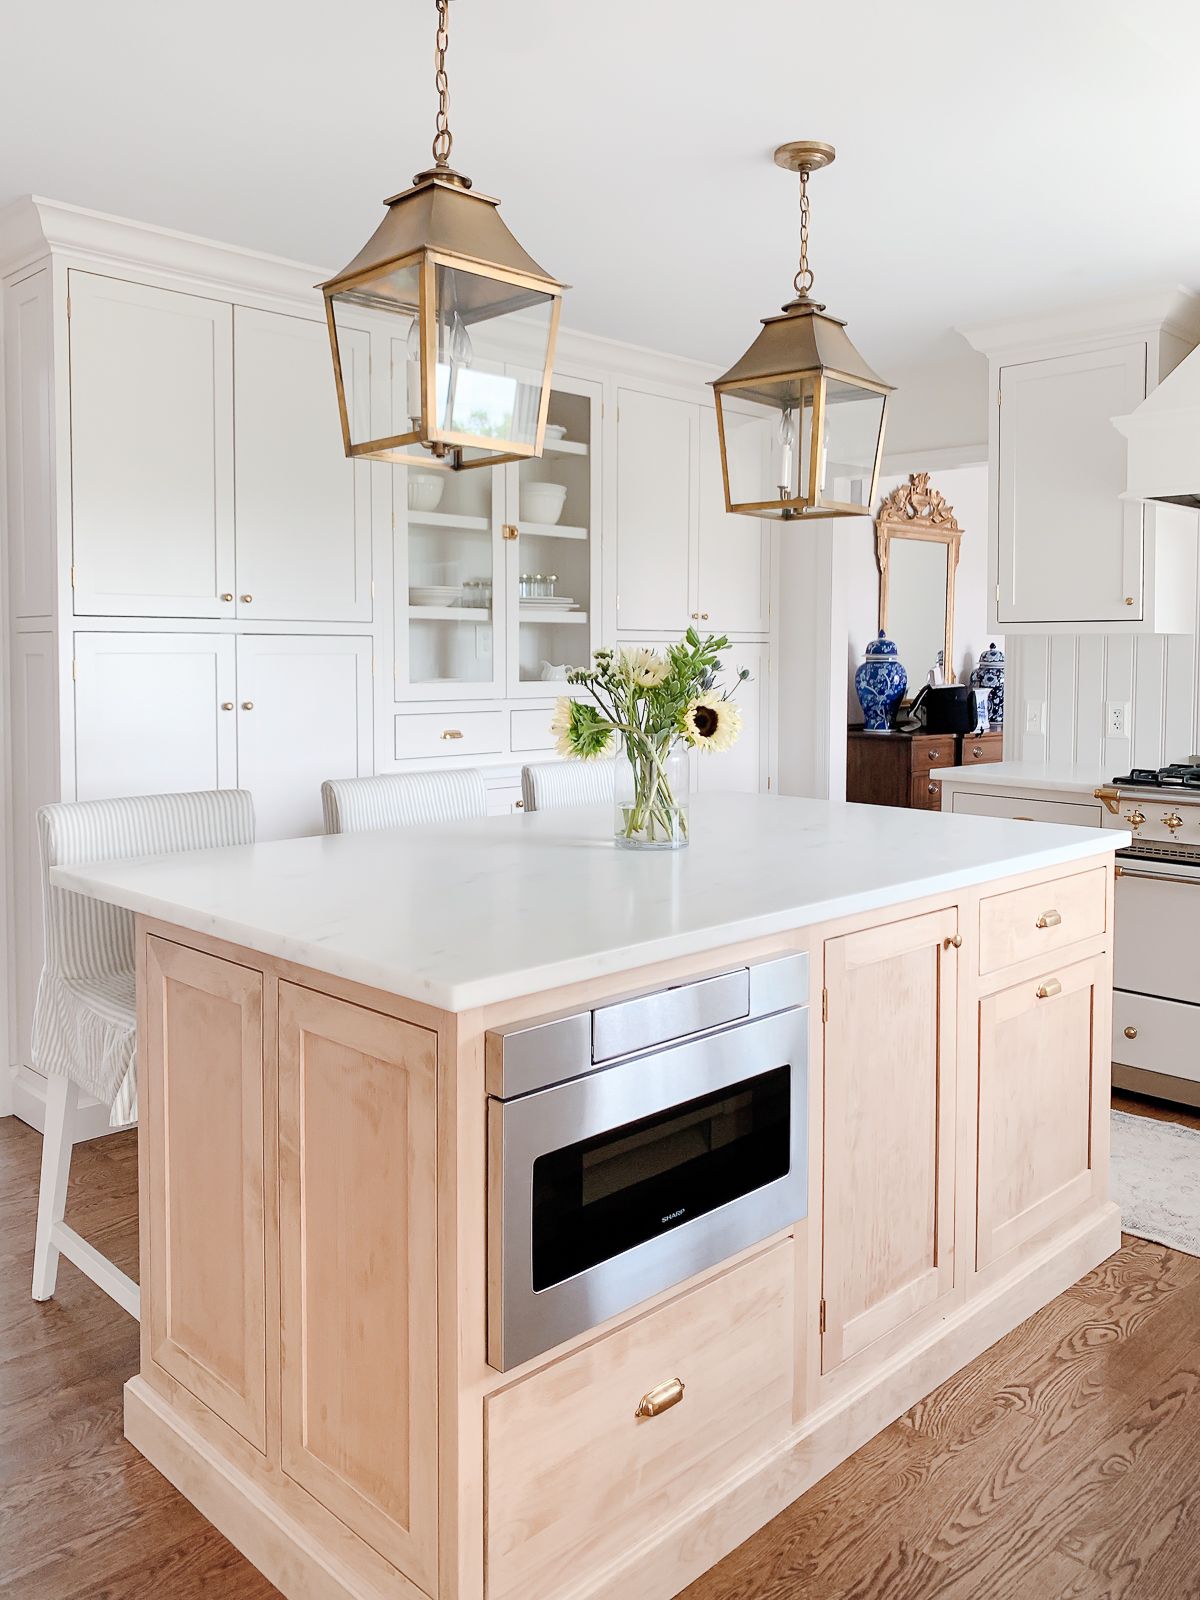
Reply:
x=966, y=489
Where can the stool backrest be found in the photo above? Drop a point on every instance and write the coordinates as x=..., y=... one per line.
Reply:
x=401, y=800
x=550, y=785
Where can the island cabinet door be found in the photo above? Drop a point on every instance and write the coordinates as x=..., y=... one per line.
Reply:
x=1043, y=1070
x=201, y=1093
x=358, y=1216
x=889, y=1087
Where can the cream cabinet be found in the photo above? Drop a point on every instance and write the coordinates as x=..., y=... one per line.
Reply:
x=151, y=451
x=747, y=767
x=891, y=997
x=681, y=559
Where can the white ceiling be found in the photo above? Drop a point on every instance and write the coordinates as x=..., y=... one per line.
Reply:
x=994, y=156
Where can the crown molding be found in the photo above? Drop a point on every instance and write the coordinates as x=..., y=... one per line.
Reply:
x=1172, y=309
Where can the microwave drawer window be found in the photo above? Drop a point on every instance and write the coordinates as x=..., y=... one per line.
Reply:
x=606, y=1194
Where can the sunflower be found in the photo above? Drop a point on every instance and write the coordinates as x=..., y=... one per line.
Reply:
x=710, y=723
x=579, y=730
x=645, y=669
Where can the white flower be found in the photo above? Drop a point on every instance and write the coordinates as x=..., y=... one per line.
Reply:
x=580, y=730
x=560, y=726
x=710, y=723
x=646, y=669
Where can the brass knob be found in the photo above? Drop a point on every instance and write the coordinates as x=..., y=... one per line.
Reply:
x=1131, y=1033
x=1047, y=990
x=246, y=599
x=226, y=705
x=1173, y=820
x=952, y=942
x=226, y=597
x=247, y=705
x=934, y=787
x=451, y=733
x=977, y=751
x=519, y=805
x=510, y=531
x=695, y=616
x=704, y=616
x=1136, y=818
x=1048, y=919
x=1128, y=599
x=934, y=754
x=661, y=1398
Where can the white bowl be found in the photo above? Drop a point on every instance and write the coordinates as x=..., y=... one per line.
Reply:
x=425, y=490
x=542, y=502
x=555, y=431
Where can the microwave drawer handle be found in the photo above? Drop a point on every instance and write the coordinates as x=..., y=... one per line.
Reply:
x=670, y=1014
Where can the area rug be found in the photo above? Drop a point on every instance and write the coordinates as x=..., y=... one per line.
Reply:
x=1156, y=1180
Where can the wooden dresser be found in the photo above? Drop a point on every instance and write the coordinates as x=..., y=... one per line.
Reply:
x=900, y=769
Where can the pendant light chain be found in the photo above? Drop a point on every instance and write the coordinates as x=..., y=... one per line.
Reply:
x=443, y=139
x=803, y=281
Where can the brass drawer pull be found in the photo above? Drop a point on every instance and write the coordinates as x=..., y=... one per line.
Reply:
x=510, y=531
x=451, y=733
x=1131, y=1033
x=952, y=942
x=661, y=1398
x=934, y=754
x=1047, y=990
x=1048, y=919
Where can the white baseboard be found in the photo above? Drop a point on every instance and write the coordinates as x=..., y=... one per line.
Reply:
x=29, y=1103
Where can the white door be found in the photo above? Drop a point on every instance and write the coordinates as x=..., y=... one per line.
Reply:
x=744, y=768
x=732, y=591
x=303, y=510
x=154, y=713
x=1070, y=550
x=151, y=450
x=656, y=510
x=304, y=715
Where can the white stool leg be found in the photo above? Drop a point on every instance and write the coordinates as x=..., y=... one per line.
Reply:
x=62, y=1096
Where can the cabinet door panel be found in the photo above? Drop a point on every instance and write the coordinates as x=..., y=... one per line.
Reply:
x=744, y=768
x=304, y=715
x=358, y=1209
x=1070, y=550
x=1039, y=1060
x=201, y=1094
x=732, y=551
x=149, y=715
x=151, y=450
x=303, y=510
x=890, y=1061
x=656, y=510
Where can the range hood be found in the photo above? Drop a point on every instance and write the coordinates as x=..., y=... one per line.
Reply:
x=1163, y=436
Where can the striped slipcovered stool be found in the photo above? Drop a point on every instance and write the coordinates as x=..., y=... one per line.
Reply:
x=401, y=799
x=549, y=785
x=84, y=1022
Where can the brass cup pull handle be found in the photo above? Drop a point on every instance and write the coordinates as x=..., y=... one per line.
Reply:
x=1051, y=987
x=661, y=1398
x=451, y=733
x=1048, y=919
x=952, y=941
x=1131, y=1033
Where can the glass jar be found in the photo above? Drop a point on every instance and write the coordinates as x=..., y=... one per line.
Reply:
x=651, y=795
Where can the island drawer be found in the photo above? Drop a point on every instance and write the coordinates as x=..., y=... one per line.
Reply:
x=576, y=1476
x=1041, y=919
x=433, y=734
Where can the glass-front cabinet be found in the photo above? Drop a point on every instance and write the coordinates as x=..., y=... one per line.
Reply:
x=497, y=569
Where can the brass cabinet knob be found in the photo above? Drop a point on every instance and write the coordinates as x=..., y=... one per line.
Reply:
x=1128, y=599
x=226, y=705
x=246, y=599
x=1047, y=990
x=1048, y=919
x=695, y=616
x=977, y=751
x=1136, y=818
x=934, y=754
x=1173, y=820
x=451, y=733
x=1131, y=1033
x=661, y=1398
x=519, y=805
x=953, y=941
x=227, y=597
x=247, y=705
x=704, y=616
x=510, y=531
x=934, y=787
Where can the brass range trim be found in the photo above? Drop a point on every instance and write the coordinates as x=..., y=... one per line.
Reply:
x=1111, y=797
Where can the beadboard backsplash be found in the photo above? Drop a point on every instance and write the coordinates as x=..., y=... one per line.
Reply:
x=1071, y=681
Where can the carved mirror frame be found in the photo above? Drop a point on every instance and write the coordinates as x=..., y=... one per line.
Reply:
x=913, y=510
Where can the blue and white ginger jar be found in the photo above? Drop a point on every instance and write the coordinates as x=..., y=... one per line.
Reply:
x=989, y=675
x=880, y=683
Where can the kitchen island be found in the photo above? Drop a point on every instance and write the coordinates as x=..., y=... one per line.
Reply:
x=322, y=1025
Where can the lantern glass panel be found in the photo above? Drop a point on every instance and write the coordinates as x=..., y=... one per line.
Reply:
x=482, y=324
x=853, y=419
x=389, y=303
x=768, y=442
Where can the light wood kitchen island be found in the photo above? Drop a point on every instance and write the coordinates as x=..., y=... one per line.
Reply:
x=314, y=1177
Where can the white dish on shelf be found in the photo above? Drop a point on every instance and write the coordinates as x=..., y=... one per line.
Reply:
x=542, y=502
x=434, y=594
x=425, y=490
x=555, y=432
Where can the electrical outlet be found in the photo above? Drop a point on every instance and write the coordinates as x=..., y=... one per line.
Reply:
x=1035, y=716
x=1116, y=719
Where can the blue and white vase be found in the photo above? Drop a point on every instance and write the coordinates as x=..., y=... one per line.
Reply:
x=989, y=675
x=880, y=683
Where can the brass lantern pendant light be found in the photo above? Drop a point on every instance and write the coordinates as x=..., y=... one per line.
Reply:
x=471, y=320
x=801, y=414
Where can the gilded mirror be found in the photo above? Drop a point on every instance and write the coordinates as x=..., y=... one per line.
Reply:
x=916, y=546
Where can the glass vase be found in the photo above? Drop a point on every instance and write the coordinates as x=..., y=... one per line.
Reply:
x=652, y=783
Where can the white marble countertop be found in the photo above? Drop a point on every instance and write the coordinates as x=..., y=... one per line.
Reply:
x=464, y=914
x=1062, y=777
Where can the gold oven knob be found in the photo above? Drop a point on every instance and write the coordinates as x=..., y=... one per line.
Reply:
x=1173, y=820
x=1135, y=818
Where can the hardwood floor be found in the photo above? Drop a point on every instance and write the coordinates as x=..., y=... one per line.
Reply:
x=1061, y=1465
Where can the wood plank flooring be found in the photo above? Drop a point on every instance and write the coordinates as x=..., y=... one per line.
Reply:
x=1061, y=1465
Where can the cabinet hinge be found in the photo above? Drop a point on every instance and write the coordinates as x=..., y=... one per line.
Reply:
x=74, y=667
x=393, y=522
x=824, y=1005
x=821, y=1318
x=372, y=663
x=372, y=588
x=999, y=397
x=997, y=594
x=72, y=577
x=768, y=785
x=68, y=308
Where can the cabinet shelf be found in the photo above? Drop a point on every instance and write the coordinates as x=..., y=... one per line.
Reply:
x=552, y=618
x=449, y=613
x=449, y=519
x=550, y=530
x=564, y=447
